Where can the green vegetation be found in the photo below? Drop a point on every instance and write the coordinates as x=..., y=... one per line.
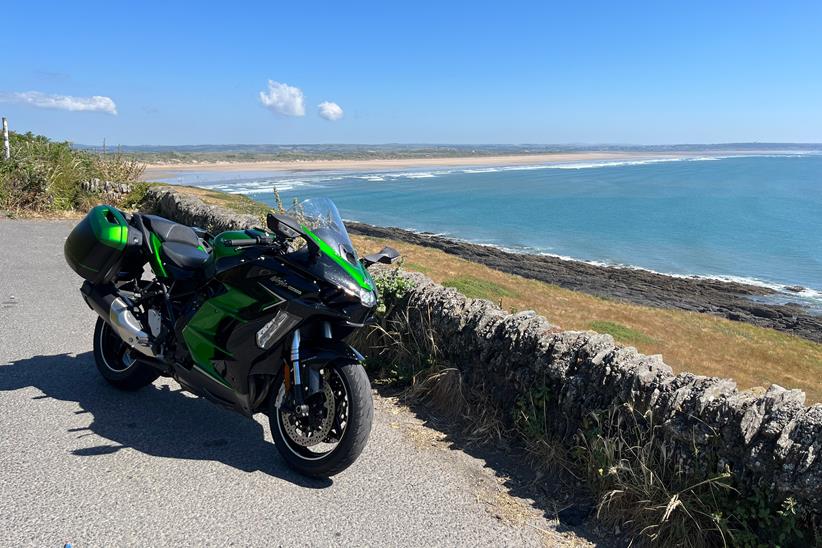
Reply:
x=393, y=358
x=621, y=333
x=48, y=176
x=416, y=267
x=476, y=288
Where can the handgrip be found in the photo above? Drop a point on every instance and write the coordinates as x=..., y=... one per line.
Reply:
x=243, y=242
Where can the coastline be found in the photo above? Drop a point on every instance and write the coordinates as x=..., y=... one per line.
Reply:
x=159, y=170
x=723, y=298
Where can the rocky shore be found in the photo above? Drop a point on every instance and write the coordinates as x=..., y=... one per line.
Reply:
x=730, y=300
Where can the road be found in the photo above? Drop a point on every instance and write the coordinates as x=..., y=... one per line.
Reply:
x=83, y=463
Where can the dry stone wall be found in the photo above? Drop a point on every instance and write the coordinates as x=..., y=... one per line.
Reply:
x=769, y=440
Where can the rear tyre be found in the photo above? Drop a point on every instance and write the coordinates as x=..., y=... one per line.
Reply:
x=115, y=363
x=343, y=438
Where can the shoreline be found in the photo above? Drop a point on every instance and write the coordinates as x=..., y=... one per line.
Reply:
x=724, y=298
x=161, y=170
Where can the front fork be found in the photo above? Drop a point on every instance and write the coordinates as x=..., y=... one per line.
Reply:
x=313, y=374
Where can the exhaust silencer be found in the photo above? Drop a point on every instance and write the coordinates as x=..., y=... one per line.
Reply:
x=115, y=309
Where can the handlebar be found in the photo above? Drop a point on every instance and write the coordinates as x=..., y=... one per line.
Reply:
x=247, y=242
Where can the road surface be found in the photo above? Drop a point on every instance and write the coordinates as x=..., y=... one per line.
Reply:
x=82, y=463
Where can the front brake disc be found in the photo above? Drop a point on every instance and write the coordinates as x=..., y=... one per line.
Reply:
x=313, y=436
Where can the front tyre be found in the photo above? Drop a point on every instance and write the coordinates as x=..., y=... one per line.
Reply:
x=115, y=362
x=333, y=436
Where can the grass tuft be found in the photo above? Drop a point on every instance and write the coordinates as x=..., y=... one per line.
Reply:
x=622, y=333
x=476, y=288
x=642, y=490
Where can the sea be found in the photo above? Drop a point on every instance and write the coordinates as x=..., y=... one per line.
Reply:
x=755, y=219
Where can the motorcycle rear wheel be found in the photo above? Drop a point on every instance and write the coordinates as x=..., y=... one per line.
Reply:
x=354, y=413
x=111, y=355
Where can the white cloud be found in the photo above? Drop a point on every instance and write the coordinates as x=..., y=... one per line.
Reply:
x=283, y=99
x=96, y=103
x=330, y=111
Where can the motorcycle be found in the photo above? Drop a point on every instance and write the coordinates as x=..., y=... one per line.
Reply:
x=253, y=320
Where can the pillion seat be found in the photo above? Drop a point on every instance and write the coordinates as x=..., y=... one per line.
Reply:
x=180, y=242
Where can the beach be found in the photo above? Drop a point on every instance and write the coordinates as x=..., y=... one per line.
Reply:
x=162, y=170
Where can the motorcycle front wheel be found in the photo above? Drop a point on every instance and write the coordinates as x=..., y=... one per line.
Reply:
x=333, y=434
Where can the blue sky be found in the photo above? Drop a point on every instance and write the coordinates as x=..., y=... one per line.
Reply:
x=440, y=72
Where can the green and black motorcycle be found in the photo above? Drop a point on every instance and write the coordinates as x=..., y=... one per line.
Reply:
x=253, y=320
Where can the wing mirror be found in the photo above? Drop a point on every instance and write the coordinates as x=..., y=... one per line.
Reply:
x=283, y=226
x=386, y=255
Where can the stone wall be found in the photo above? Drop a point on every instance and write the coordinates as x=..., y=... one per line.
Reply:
x=769, y=440
x=190, y=210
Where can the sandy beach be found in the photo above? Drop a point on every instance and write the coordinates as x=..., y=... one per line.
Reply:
x=164, y=169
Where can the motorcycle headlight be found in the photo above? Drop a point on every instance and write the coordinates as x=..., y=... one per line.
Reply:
x=367, y=297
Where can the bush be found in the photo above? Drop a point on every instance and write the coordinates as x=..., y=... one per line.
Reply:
x=44, y=175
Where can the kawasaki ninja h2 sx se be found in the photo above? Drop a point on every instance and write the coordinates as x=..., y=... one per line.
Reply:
x=252, y=320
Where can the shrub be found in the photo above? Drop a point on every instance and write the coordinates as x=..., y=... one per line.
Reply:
x=44, y=175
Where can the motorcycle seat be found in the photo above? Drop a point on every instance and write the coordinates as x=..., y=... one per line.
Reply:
x=184, y=255
x=180, y=242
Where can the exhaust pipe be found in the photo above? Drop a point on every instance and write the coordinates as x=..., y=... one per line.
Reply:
x=115, y=309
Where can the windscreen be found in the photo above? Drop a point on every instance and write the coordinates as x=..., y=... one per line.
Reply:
x=322, y=221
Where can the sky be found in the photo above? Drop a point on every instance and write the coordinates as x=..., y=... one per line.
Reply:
x=413, y=72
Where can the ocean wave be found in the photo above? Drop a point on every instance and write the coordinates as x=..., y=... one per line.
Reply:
x=415, y=174
x=257, y=186
x=419, y=175
x=482, y=170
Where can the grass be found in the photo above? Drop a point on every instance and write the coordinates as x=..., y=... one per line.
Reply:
x=641, y=488
x=477, y=288
x=621, y=333
x=689, y=341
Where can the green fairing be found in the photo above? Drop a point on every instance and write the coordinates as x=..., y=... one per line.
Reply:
x=202, y=330
x=156, y=260
x=358, y=272
x=106, y=232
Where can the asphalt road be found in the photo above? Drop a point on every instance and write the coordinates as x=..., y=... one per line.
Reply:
x=83, y=463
